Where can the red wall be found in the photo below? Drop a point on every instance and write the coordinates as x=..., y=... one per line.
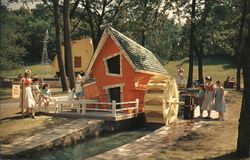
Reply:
x=129, y=77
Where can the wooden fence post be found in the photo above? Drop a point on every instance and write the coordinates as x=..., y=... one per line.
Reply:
x=56, y=105
x=84, y=107
x=113, y=108
x=137, y=105
x=59, y=107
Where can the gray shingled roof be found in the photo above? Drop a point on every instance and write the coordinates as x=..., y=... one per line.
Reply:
x=140, y=56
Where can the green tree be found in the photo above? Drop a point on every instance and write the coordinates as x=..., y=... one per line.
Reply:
x=11, y=49
x=58, y=44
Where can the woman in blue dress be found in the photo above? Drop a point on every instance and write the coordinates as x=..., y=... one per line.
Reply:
x=220, y=104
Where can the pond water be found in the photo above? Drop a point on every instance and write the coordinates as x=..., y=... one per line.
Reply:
x=90, y=148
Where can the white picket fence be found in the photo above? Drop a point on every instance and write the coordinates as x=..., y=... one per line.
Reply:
x=81, y=105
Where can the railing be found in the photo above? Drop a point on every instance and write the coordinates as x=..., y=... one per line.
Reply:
x=82, y=106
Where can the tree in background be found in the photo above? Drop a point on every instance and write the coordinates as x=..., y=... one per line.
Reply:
x=98, y=13
x=67, y=43
x=58, y=44
x=11, y=49
x=239, y=40
x=243, y=143
x=192, y=45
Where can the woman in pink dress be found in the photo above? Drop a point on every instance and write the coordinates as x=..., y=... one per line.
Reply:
x=28, y=101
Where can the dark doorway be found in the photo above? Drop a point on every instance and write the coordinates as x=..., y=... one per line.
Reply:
x=115, y=94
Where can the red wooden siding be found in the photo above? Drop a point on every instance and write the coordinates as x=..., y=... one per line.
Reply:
x=129, y=77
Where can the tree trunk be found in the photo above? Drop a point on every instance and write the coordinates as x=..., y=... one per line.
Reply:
x=243, y=143
x=200, y=69
x=238, y=70
x=242, y=21
x=199, y=54
x=192, y=41
x=58, y=45
x=67, y=43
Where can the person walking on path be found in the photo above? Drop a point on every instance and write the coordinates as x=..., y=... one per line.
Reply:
x=208, y=101
x=28, y=102
x=220, y=104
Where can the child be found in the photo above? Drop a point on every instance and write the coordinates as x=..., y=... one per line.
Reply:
x=220, y=104
x=79, y=89
x=200, y=98
x=71, y=94
x=46, y=96
x=36, y=91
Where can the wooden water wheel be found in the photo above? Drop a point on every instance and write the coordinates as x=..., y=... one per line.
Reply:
x=161, y=100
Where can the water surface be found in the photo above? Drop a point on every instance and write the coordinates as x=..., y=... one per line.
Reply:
x=92, y=147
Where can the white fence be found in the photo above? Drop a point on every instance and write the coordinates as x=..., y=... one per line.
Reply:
x=82, y=106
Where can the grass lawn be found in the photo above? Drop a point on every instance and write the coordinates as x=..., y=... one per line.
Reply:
x=218, y=68
x=42, y=71
x=14, y=128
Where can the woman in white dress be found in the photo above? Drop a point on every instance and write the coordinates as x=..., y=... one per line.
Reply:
x=208, y=101
x=180, y=80
x=28, y=101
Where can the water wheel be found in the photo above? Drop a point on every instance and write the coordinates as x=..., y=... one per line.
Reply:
x=161, y=100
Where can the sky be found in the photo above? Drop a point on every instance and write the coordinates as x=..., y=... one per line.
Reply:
x=29, y=4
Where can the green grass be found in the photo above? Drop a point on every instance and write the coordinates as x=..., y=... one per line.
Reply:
x=42, y=71
x=217, y=68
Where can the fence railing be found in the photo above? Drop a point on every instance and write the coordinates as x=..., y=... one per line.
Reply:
x=82, y=106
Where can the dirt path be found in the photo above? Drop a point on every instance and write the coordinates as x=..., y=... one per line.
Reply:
x=214, y=140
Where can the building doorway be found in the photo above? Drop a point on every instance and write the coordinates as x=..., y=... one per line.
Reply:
x=115, y=94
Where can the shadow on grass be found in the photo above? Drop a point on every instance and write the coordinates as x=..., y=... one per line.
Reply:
x=19, y=116
x=230, y=156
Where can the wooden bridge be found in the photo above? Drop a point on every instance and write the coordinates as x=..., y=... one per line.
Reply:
x=113, y=111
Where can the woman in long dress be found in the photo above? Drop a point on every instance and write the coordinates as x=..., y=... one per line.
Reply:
x=28, y=101
x=220, y=104
x=208, y=101
x=180, y=80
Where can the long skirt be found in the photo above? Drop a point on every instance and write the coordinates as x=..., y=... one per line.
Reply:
x=28, y=99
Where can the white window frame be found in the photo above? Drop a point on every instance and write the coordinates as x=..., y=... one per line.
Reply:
x=106, y=65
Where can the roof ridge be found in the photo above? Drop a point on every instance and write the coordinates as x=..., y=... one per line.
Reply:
x=129, y=39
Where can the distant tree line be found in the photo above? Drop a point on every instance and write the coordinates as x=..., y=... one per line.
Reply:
x=146, y=21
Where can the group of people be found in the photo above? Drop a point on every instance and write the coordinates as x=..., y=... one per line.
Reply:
x=211, y=97
x=32, y=95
